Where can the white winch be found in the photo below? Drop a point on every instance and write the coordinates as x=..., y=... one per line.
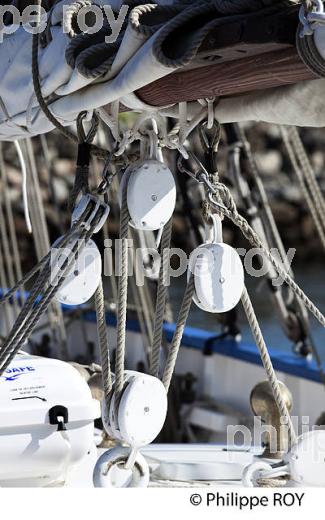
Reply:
x=46, y=422
x=218, y=272
x=136, y=420
x=151, y=194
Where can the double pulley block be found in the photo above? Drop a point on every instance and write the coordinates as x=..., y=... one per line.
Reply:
x=134, y=419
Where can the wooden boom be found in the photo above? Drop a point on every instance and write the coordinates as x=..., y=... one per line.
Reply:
x=228, y=78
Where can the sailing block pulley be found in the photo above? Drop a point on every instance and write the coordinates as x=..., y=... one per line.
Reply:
x=141, y=411
x=84, y=276
x=218, y=272
x=135, y=418
x=82, y=281
x=151, y=194
x=304, y=464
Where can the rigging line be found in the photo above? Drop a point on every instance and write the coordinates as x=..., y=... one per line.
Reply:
x=308, y=197
x=24, y=185
x=7, y=258
x=161, y=299
x=22, y=336
x=141, y=304
x=24, y=313
x=50, y=174
x=55, y=311
x=278, y=242
x=103, y=342
x=308, y=172
x=42, y=245
x=24, y=280
x=267, y=363
x=62, y=242
x=263, y=195
x=34, y=294
x=108, y=258
x=7, y=252
x=240, y=172
x=4, y=283
x=36, y=236
x=39, y=96
x=230, y=211
x=144, y=292
x=38, y=199
x=140, y=316
x=10, y=219
x=122, y=296
x=178, y=334
x=12, y=345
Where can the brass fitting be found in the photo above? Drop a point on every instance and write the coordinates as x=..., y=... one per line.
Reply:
x=275, y=438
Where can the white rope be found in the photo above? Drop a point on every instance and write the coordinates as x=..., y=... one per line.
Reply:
x=24, y=185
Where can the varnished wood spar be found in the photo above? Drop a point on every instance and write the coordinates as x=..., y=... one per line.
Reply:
x=264, y=71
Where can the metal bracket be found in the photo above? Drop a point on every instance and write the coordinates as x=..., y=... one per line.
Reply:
x=95, y=206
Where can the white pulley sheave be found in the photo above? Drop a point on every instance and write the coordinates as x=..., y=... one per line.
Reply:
x=85, y=274
x=218, y=272
x=151, y=194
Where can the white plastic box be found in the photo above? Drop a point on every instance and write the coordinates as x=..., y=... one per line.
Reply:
x=46, y=421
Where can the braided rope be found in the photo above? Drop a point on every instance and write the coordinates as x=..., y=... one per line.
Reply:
x=21, y=330
x=267, y=363
x=103, y=342
x=272, y=482
x=37, y=267
x=161, y=299
x=177, y=337
x=230, y=211
x=312, y=199
x=308, y=172
x=24, y=326
x=122, y=296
